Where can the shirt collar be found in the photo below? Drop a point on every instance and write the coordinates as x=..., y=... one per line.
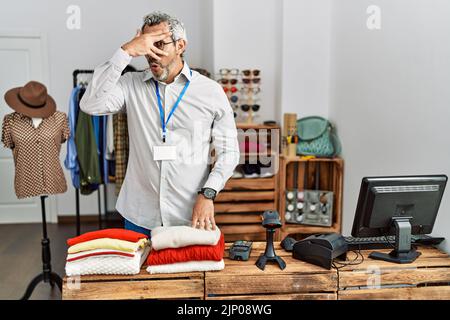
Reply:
x=186, y=72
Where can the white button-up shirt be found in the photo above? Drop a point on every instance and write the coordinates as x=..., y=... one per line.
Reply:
x=163, y=192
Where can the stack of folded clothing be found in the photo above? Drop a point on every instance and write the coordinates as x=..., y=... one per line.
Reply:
x=185, y=249
x=108, y=251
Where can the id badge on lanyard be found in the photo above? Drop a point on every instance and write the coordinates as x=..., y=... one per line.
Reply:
x=165, y=151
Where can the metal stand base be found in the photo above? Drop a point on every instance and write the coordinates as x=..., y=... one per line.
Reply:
x=403, y=252
x=47, y=275
x=393, y=256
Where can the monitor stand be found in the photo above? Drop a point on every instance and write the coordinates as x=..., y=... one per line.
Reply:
x=403, y=253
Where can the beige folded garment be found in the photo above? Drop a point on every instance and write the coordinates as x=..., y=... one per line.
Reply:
x=108, y=243
x=182, y=236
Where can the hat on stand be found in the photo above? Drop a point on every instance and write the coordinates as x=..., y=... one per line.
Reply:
x=31, y=100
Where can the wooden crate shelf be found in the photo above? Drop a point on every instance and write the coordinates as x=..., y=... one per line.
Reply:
x=239, y=206
x=140, y=286
x=426, y=278
x=331, y=178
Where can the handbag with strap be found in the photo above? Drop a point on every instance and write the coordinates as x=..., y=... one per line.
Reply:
x=317, y=137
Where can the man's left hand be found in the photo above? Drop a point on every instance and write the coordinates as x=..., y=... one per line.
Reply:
x=203, y=214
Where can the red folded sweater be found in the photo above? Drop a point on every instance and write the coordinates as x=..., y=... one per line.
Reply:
x=120, y=234
x=190, y=253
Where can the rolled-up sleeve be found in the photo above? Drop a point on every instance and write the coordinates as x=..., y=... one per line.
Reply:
x=225, y=144
x=106, y=92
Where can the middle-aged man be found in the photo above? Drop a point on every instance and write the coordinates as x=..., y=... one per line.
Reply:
x=175, y=115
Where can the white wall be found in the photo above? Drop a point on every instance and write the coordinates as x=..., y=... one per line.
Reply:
x=105, y=25
x=306, y=57
x=390, y=94
x=247, y=35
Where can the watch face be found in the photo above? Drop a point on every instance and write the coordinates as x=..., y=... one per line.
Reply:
x=209, y=193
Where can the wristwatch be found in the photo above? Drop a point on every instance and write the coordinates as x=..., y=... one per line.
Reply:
x=208, y=193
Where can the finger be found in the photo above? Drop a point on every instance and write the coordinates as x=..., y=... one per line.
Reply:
x=208, y=224
x=153, y=55
x=202, y=223
x=213, y=222
x=159, y=51
x=161, y=36
x=194, y=222
x=138, y=33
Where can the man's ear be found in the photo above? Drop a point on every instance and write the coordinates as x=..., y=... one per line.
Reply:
x=181, y=46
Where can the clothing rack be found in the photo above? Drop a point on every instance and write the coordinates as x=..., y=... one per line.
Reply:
x=77, y=191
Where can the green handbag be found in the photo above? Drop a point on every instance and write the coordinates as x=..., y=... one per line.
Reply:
x=317, y=137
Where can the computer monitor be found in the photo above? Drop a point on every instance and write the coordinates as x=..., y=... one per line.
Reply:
x=400, y=206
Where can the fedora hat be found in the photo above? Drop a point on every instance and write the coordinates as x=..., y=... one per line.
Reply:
x=31, y=100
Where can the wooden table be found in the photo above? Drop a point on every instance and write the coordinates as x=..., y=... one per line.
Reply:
x=427, y=278
x=243, y=280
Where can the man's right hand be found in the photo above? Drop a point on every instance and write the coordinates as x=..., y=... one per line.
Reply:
x=144, y=44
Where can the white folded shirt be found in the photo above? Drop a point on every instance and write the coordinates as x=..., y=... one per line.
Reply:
x=182, y=236
x=108, y=264
x=190, y=266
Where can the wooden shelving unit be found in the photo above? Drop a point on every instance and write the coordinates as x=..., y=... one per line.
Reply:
x=331, y=178
x=240, y=204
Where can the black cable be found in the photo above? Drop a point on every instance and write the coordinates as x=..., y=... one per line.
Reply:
x=345, y=264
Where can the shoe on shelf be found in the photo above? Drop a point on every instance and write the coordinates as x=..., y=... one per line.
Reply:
x=238, y=172
x=251, y=170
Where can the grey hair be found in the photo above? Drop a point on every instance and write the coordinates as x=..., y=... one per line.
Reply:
x=175, y=25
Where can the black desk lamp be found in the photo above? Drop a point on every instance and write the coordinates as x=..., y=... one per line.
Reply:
x=271, y=221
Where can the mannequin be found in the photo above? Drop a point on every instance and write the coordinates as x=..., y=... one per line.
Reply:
x=35, y=132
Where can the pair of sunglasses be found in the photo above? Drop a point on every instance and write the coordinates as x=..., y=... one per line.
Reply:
x=232, y=89
x=225, y=72
x=228, y=81
x=247, y=107
x=248, y=90
x=251, y=80
x=249, y=72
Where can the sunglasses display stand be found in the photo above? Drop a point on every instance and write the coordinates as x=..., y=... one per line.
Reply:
x=241, y=88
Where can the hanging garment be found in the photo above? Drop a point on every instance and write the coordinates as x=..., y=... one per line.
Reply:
x=36, y=153
x=71, y=161
x=183, y=236
x=109, y=154
x=113, y=233
x=121, y=148
x=90, y=176
x=104, y=160
x=108, y=264
x=185, y=254
x=190, y=266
